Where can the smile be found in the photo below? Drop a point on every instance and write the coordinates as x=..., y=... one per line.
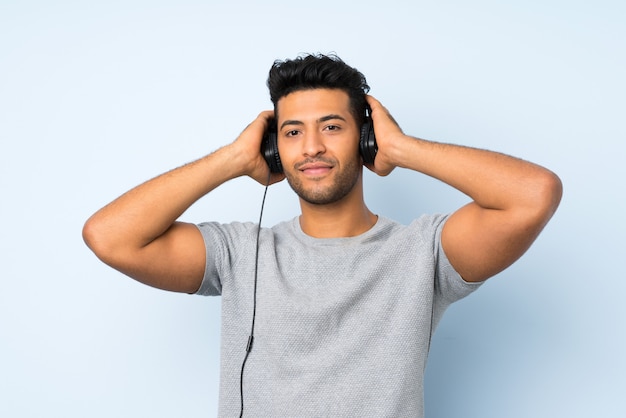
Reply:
x=314, y=168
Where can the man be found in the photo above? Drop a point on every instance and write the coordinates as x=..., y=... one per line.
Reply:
x=343, y=301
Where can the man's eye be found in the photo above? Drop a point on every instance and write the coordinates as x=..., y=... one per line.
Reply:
x=291, y=133
x=332, y=127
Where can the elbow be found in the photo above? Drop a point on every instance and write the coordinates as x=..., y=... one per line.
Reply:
x=547, y=193
x=91, y=235
x=95, y=237
x=552, y=191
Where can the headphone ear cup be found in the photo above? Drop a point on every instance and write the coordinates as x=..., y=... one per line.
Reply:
x=367, y=143
x=269, y=148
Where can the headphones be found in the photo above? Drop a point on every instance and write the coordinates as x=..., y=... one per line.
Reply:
x=269, y=146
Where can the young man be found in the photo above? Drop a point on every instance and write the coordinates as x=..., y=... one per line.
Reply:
x=345, y=300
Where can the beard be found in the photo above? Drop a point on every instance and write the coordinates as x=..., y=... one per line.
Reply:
x=343, y=183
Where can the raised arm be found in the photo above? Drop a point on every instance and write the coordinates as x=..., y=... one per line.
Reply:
x=138, y=234
x=512, y=199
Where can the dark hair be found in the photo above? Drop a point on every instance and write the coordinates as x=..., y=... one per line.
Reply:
x=310, y=71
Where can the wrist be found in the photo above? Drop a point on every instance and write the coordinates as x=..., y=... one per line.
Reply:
x=401, y=150
x=230, y=161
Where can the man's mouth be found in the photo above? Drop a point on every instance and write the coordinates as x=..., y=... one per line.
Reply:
x=314, y=168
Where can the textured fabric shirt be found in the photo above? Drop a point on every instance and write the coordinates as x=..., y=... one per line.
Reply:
x=343, y=325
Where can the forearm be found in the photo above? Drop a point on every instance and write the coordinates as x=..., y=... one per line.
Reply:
x=144, y=213
x=138, y=234
x=512, y=199
x=492, y=180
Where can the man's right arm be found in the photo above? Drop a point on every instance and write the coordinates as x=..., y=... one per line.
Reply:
x=138, y=234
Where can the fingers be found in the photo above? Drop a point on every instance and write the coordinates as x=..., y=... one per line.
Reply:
x=375, y=105
x=266, y=115
x=263, y=119
x=379, y=111
x=252, y=138
x=387, y=133
x=372, y=101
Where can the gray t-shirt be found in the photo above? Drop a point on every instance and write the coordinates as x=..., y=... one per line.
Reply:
x=343, y=325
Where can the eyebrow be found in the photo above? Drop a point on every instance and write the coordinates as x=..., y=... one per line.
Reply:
x=320, y=120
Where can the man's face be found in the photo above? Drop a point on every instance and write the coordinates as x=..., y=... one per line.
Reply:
x=318, y=144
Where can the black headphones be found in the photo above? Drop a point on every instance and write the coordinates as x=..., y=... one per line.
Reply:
x=269, y=147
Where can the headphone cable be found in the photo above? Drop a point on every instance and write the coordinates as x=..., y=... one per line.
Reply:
x=256, y=269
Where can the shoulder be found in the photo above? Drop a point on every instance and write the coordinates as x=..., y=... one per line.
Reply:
x=228, y=235
x=425, y=228
x=231, y=228
x=429, y=222
x=234, y=233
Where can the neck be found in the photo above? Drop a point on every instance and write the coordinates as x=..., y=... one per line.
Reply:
x=348, y=217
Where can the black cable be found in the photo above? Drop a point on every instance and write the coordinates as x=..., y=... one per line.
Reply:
x=256, y=269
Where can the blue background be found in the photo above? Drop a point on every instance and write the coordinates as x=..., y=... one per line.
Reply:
x=96, y=97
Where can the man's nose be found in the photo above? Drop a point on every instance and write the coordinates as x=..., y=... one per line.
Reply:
x=313, y=144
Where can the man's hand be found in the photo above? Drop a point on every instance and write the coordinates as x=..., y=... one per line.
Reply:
x=248, y=148
x=388, y=134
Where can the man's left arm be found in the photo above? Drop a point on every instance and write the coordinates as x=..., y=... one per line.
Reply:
x=512, y=199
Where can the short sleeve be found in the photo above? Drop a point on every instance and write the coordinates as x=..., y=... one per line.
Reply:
x=229, y=248
x=448, y=282
x=214, y=247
